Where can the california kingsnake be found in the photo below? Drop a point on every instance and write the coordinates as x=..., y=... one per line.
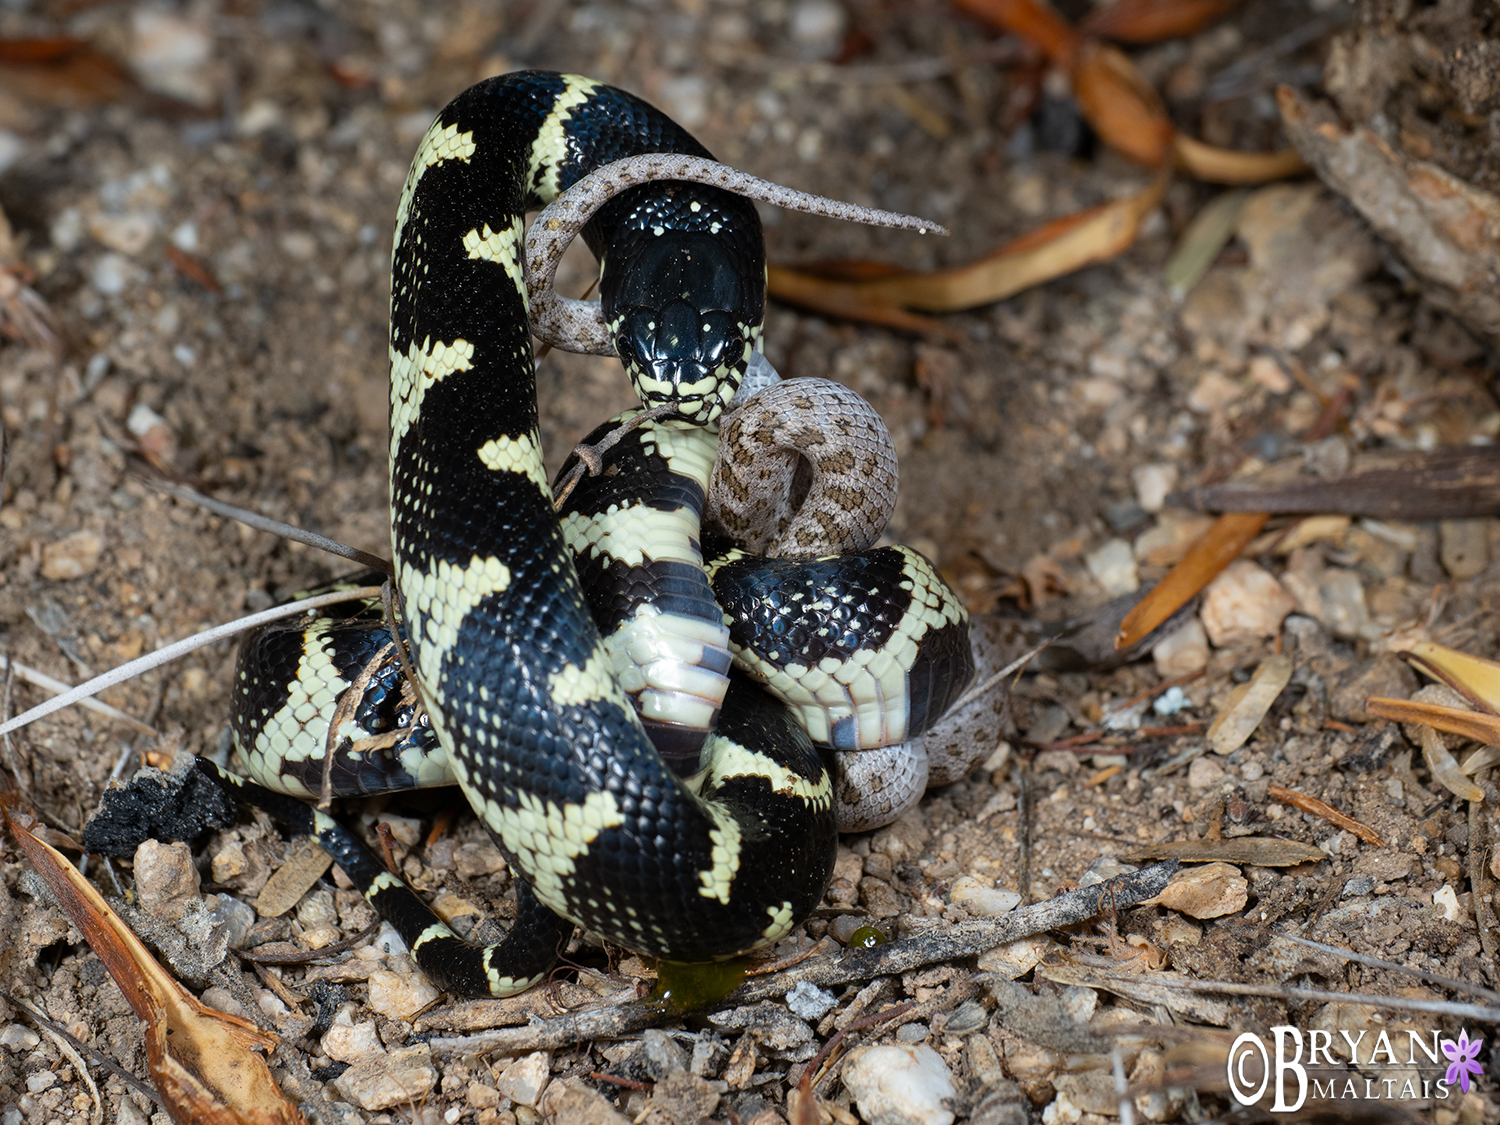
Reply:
x=723, y=854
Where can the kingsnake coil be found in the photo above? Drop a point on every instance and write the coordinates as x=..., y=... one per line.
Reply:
x=704, y=849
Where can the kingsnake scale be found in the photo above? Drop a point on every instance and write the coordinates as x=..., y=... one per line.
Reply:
x=722, y=840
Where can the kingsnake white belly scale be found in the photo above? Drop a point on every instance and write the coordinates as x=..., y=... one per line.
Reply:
x=697, y=855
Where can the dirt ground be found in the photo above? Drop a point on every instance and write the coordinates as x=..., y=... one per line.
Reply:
x=214, y=244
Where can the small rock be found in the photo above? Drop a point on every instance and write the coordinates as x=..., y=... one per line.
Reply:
x=1334, y=596
x=1244, y=603
x=477, y=858
x=170, y=55
x=40, y=1080
x=817, y=26
x=165, y=878
x=978, y=898
x=523, y=1080
x=401, y=1077
x=900, y=1085
x=400, y=996
x=1016, y=958
x=1093, y=1092
x=809, y=1002
x=19, y=1037
x=351, y=1042
x=1183, y=650
x=1153, y=483
x=1269, y=374
x=1213, y=391
x=111, y=274
x=1386, y=677
x=1247, y=705
x=1113, y=567
x=1464, y=547
x=72, y=556
x=682, y=1099
x=128, y=233
x=1446, y=900
x=663, y=1055
x=577, y=1105
x=1210, y=891
x=1204, y=773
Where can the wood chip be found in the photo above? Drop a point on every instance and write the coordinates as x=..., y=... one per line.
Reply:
x=1257, y=851
x=304, y=866
x=1327, y=812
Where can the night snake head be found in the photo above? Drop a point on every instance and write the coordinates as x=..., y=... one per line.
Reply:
x=684, y=315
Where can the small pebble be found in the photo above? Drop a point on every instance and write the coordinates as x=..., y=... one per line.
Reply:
x=1210, y=891
x=39, y=1081
x=72, y=556
x=978, y=898
x=18, y=1037
x=1464, y=547
x=1183, y=650
x=1244, y=603
x=1446, y=900
x=900, y=1085
x=809, y=1001
x=1016, y=958
x=400, y=996
x=165, y=878
x=523, y=1080
x=1153, y=483
x=1204, y=773
x=401, y=1077
x=1113, y=567
x=110, y=275
x=663, y=1055
x=912, y=1032
x=351, y=1042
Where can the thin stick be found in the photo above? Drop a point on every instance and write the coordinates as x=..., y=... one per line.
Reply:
x=57, y=687
x=579, y=325
x=591, y=457
x=1454, y=1008
x=182, y=648
x=275, y=527
x=1380, y=963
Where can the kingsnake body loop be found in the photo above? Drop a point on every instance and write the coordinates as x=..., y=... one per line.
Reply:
x=730, y=849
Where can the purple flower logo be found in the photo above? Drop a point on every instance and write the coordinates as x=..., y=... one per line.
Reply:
x=1463, y=1058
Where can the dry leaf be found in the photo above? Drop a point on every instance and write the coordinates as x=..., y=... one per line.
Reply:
x=1258, y=851
x=1473, y=677
x=1228, y=166
x=1248, y=705
x=1115, y=98
x=1219, y=546
x=1059, y=248
x=1150, y=21
x=205, y=1063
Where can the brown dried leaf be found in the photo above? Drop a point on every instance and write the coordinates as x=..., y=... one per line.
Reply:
x=1150, y=21
x=1258, y=851
x=1471, y=724
x=1033, y=21
x=205, y=1062
x=1473, y=677
x=1059, y=248
x=1115, y=98
x=62, y=71
x=1228, y=166
x=1219, y=546
x=1323, y=809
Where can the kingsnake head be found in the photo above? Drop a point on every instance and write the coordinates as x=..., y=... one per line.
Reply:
x=683, y=319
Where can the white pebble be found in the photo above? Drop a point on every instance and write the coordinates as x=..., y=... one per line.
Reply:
x=400, y=996
x=977, y=898
x=1152, y=483
x=900, y=1085
x=41, y=1080
x=1181, y=651
x=1113, y=566
x=19, y=1037
x=809, y=1001
x=523, y=1080
x=110, y=275
x=185, y=236
x=1447, y=901
x=1244, y=603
